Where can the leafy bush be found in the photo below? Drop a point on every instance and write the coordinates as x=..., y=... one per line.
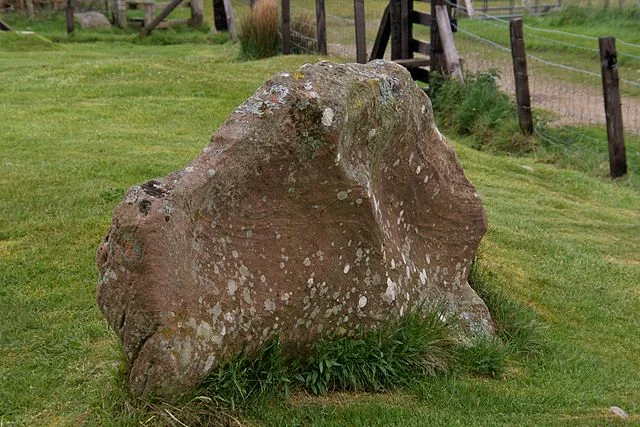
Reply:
x=416, y=346
x=259, y=34
x=477, y=108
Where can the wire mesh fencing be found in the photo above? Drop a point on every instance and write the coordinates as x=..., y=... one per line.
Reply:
x=565, y=82
x=564, y=75
x=340, y=27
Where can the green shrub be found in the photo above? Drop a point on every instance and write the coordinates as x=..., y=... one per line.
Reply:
x=259, y=34
x=476, y=108
x=416, y=346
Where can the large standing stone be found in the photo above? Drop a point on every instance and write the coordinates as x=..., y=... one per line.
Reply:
x=327, y=201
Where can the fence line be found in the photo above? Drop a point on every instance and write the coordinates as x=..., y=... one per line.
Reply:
x=564, y=33
x=573, y=103
x=340, y=29
x=574, y=100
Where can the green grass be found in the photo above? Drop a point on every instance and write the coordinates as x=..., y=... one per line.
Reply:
x=83, y=122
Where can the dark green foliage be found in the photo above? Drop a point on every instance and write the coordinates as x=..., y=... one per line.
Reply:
x=478, y=109
x=417, y=346
x=246, y=378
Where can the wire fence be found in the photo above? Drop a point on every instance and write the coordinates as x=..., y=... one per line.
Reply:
x=561, y=83
x=564, y=81
x=340, y=28
x=44, y=8
x=564, y=67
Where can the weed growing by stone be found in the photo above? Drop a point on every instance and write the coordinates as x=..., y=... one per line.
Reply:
x=406, y=353
x=419, y=345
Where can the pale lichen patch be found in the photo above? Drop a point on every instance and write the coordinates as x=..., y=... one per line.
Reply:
x=362, y=301
x=270, y=305
x=232, y=287
x=390, y=294
x=327, y=117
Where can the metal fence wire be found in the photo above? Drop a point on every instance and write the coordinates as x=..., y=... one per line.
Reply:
x=571, y=94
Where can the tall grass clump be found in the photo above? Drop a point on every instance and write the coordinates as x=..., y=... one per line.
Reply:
x=259, y=34
x=405, y=353
x=476, y=108
x=246, y=378
x=415, y=347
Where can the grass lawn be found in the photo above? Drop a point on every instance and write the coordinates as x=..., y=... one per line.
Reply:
x=83, y=122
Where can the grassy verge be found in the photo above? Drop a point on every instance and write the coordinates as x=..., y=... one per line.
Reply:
x=485, y=118
x=86, y=121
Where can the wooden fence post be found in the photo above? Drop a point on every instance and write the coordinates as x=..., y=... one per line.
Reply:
x=406, y=7
x=149, y=13
x=30, y=12
x=436, y=54
x=451, y=56
x=612, y=106
x=231, y=24
x=321, y=27
x=382, y=36
x=395, y=19
x=196, y=13
x=69, y=16
x=120, y=12
x=468, y=8
x=361, y=41
x=286, y=27
x=519, y=56
x=219, y=16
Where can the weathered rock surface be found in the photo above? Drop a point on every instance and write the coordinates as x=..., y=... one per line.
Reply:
x=327, y=201
x=91, y=20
